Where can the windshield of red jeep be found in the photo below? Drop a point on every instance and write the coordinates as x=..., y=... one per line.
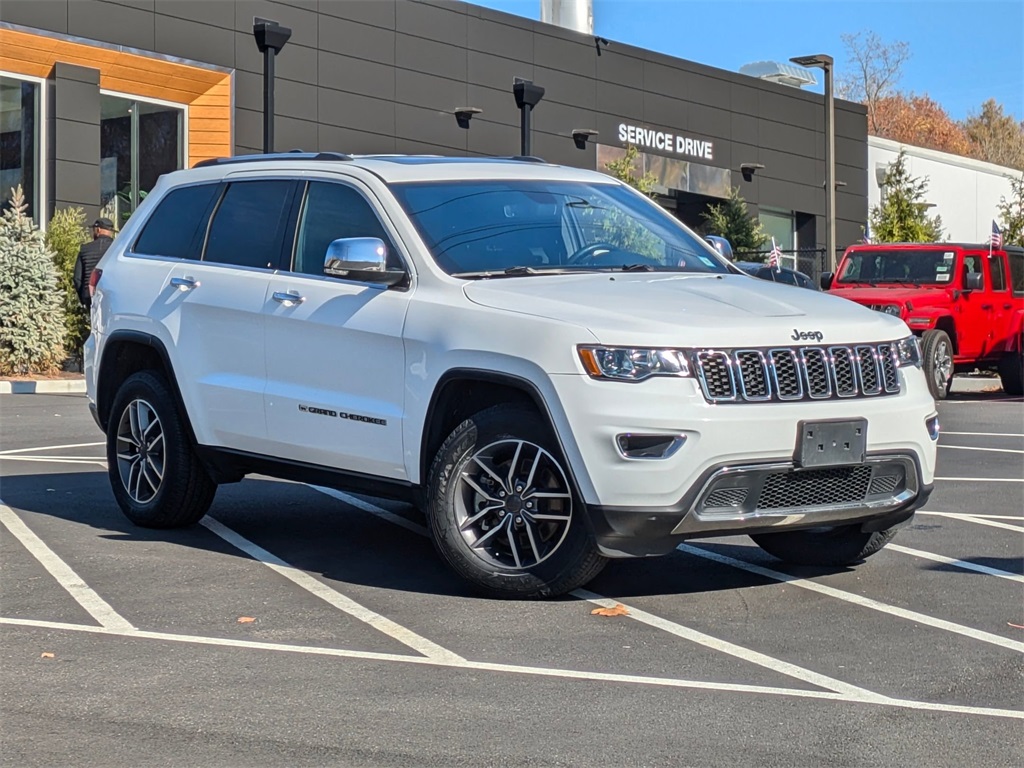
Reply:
x=924, y=267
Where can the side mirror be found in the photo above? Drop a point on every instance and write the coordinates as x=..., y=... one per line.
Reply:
x=826, y=280
x=360, y=258
x=720, y=244
x=974, y=281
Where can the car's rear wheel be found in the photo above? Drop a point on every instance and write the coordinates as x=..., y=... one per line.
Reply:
x=937, y=351
x=503, y=511
x=1011, y=372
x=844, y=545
x=156, y=477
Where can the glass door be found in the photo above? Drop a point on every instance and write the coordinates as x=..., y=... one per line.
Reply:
x=139, y=141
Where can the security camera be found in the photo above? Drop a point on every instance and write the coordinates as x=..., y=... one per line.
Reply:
x=580, y=136
x=527, y=93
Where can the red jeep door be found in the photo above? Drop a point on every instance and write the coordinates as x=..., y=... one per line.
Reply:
x=1001, y=301
x=973, y=310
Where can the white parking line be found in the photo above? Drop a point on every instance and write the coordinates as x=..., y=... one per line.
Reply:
x=570, y=674
x=49, y=448
x=331, y=596
x=979, y=519
x=708, y=641
x=972, y=448
x=984, y=434
x=83, y=594
x=56, y=459
x=746, y=654
x=967, y=566
x=982, y=479
x=850, y=597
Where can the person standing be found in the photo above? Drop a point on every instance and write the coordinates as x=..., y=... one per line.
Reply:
x=89, y=256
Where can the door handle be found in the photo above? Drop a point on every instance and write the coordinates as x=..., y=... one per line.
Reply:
x=184, y=283
x=288, y=299
x=1007, y=306
x=986, y=306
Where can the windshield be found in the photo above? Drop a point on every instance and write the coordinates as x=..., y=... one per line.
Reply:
x=516, y=227
x=925, y=267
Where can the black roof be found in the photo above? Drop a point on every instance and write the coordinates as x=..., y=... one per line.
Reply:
x=972, y=246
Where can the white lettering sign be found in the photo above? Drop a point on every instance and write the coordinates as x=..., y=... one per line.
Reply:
x=666, y=142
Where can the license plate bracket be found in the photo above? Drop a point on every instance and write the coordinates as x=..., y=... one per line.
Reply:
x=831, y=443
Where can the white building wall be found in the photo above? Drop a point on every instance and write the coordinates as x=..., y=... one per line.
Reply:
x=965, y=191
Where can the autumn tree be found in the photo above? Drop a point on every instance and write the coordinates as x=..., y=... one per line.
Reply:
x=873, y=72
x=731, y=220
x=996, y=137
x=901, y=216
x=1011, y=213
x=921, y=122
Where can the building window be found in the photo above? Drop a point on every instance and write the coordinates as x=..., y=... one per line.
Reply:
x=139, y=141
x=19, y=141
x=782, y=226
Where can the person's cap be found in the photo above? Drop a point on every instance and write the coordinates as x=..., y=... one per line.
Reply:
x=103, y=223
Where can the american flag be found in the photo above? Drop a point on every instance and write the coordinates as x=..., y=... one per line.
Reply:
x=867, y=233
x=996, y=240
x=774, y=256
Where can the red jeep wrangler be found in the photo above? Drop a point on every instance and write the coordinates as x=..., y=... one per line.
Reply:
x=966, y=305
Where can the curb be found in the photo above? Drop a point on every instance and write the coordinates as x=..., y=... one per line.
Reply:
x=976, y=384
x=43, y=387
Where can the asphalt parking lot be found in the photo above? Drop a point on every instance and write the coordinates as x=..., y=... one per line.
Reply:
x=296, y=627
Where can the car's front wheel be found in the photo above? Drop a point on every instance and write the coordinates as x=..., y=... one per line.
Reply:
x=937, y=351
x=156, y=477
x=844, y=545
x=503, y=511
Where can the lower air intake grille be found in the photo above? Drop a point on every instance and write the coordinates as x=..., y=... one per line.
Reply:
x=726, y=497
x=815, y=487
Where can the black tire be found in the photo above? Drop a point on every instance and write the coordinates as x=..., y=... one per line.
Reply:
x=838, y=546
x=183, y=490
x=1011, y=372
x=559, y=557
x=937, y=351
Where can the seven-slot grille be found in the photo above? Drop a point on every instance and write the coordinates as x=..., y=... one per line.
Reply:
x=816, y=373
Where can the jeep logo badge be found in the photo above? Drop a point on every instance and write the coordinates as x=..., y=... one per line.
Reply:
x=808, y=335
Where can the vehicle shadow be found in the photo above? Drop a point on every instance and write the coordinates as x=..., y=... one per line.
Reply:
x=347, y=546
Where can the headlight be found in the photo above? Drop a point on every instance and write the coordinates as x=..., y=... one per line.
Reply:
x=889, y=309
x=632, y=363
x=908, y=352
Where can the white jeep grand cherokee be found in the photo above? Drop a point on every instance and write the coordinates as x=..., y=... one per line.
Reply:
x=549, y=364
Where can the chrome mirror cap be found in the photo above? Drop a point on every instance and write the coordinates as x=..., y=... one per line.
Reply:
x=355, y=254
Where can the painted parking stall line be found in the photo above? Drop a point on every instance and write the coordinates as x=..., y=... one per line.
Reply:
x=571, y=674
x=83, y=594
x=965, y=565
x=850, y=597
x=332, y=597
x=979, y=519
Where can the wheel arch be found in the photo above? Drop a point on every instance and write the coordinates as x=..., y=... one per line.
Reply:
x=947, y=324
x=127, y=352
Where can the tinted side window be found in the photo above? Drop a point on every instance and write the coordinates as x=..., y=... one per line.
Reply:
x=333, y=211
x=249, y=225
x=997, y=269
x=178, y=225
x=1016, y=271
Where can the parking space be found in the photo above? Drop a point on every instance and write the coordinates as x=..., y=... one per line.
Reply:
x=297, y=626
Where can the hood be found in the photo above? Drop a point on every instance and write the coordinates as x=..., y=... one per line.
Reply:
x=897, y=294
x=686, y=310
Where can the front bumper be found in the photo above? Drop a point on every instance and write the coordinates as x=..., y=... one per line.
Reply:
x=888, y=500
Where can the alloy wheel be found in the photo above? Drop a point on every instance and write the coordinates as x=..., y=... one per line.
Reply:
x=942, y=364
x=140, y=451
x=513, y=504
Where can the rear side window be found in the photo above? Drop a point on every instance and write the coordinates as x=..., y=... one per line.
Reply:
x=1016, y=271
x=178, y=225
x=998, y=272
x=248, y=227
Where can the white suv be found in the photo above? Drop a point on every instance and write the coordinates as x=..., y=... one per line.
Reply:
x=550, y=365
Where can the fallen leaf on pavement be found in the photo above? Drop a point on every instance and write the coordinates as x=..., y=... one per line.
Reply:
x=617, y=610
x=1015, y=626
x=246, y=619
x=46, y=655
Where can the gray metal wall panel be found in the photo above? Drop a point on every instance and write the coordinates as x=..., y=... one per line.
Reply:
x=498, y=106
x=295, y=62
x=78, y=142
x=429, y=91
x=565, y=88
x=421, y=55
x=50, y=15
x=334, y=139
x=435, y=23
x=618, y=68
x=664, y=110
x=360, y=113
x=496, y=72
x=489, y=37
x=379, y=13
x=112, y=23
x=193, y=40
x=218, y=14
x=142, y=5
x=290, y=133
x=489, y=138
x=565, y=56
x=427, y=125
x=559, y=120
x=78, y=100
x=359, y=40
x=346, y=73
x=617, y=99
x=78, y=185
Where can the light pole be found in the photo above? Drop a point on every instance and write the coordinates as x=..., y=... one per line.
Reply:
x=528, y=96
x=824, y=61
x=270, y=39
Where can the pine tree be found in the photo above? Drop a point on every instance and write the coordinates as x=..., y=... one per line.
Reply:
x=732, y=221
x=65, y=234
x=1011, y=213
x=901, y=217
x=31, y=303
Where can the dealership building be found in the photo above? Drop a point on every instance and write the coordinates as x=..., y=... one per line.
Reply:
x=100, y=97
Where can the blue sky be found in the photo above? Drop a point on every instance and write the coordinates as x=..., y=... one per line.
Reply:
x=962, y=51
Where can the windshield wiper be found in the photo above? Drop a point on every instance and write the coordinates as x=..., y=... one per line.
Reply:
x=637, y=268
x=520, y=271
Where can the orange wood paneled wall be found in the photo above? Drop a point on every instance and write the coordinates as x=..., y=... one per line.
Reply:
x=206, y=92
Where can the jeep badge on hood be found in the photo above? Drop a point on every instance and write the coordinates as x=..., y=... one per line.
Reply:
x=808, y=335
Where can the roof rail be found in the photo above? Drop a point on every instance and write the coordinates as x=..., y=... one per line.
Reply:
x=523, y=158
x=289, y=156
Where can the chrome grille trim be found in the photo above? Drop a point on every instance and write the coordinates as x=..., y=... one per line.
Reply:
x=789, y=374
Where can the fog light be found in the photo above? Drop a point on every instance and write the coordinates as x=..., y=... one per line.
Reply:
x=932, y=423
x=648, y=446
